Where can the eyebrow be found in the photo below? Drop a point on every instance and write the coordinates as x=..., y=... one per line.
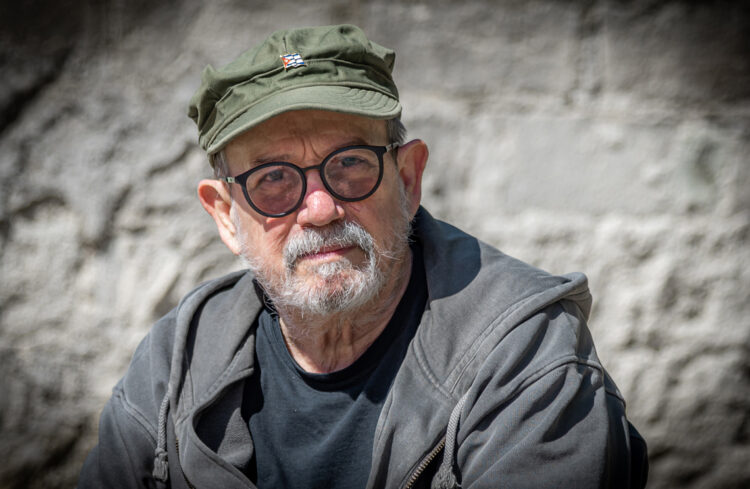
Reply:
x=355, y=141
x=260, y=161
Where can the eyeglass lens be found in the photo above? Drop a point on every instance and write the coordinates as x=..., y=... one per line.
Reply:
x=349, y=175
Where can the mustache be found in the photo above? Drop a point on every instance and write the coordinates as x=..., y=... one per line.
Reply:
x=337, y=235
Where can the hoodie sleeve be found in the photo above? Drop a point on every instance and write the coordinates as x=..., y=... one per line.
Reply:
x=124, y=455
x=543, y=413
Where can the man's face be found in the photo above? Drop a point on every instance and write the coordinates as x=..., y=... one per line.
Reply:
x=329, y=255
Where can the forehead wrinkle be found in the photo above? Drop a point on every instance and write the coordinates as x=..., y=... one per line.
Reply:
x=316, y=133
x=313, y=150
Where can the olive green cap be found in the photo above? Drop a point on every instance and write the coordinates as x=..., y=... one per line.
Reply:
x=337, y=69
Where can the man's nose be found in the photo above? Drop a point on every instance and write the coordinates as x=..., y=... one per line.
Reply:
x=319, y=207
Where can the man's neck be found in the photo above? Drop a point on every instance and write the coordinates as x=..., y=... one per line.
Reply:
x=335, y=341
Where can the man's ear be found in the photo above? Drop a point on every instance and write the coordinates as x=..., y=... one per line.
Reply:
x=215, y=198
x=412, y=158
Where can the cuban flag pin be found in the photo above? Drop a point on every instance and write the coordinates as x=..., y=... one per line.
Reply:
x=292, y=60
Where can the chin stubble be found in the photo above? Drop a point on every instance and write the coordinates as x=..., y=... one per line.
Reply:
x=335, y=286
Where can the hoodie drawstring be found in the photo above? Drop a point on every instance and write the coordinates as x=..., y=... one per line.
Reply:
x=446, y=476
x=161, y=464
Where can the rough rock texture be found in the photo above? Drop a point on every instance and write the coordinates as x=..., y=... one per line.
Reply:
x=604, y=136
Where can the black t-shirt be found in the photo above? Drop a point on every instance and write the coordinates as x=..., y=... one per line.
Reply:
x=316, y=430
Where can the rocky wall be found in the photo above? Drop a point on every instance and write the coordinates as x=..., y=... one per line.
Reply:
x=603, y=136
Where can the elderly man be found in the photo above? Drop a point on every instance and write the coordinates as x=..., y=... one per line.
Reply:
x=369, y=345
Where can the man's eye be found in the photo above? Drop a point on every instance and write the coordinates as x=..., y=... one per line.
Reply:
x=353, y=162
x=274, y=176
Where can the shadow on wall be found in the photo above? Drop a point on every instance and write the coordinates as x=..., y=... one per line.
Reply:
x=37, y=36
x=698, y=51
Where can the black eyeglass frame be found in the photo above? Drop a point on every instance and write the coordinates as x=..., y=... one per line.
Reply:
x=241, y=179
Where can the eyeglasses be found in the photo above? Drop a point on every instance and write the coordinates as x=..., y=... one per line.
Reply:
x=277, y=189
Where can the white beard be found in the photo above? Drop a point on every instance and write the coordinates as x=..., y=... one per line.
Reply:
x=332, y=287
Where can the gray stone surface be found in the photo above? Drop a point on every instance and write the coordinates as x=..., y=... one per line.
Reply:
x=602, y=136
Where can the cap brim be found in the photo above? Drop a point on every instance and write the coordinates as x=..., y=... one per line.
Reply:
x=347, y=100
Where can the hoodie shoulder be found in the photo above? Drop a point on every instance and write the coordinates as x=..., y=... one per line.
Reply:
x=478, y=296
x=145, y=382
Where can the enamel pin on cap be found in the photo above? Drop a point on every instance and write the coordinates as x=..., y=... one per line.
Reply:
x=292, y=60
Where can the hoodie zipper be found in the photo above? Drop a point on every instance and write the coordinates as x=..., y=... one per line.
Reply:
x=177, y=446
x=412, y=480
x=424, y=463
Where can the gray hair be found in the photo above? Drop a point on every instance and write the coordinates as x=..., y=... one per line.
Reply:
x=394, y=129
x=219, y=164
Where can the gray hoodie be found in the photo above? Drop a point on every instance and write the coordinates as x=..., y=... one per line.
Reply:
x=501, y=387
